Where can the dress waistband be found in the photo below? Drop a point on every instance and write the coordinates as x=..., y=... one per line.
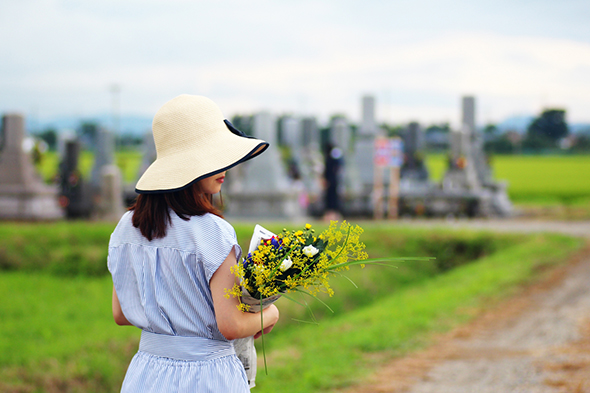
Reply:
x=191, y=348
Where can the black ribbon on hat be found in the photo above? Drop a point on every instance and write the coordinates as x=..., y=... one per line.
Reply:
x=234, y=130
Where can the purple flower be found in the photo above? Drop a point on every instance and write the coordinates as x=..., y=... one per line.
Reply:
x=275, y=242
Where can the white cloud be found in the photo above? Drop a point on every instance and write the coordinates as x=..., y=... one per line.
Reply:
x=316, y=57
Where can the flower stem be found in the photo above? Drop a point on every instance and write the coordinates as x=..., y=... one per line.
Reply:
x=262, y=335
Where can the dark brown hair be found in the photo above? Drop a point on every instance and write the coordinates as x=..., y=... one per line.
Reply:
x=151, y=212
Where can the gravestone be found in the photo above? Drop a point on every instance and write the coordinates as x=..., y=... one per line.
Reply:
x=340, y=134
x=500, y=203
x=310, y=133
x=63, y=136
x=104, y=146
x=149, y=153
x=106, y=179
x=292, y=138
x=462, y=174
x=368, y=123
x=468, y=176
x=260, y=188
x=23, y=195
x=350, y=182
x=413, y=168
x=148, y=156
x=365, y=143
x=292, y=135
x=111, y=202
x=76, y=193
x=312, y=165
x=364, y=146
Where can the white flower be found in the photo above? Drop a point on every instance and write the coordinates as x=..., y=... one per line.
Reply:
x=287, y=263
x=310, y=251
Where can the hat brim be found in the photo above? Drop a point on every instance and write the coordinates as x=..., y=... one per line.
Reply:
x=179, y=171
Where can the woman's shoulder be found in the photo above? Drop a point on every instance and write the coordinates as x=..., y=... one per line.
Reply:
x=125, y=232
x=212, y=222
x=125, y=222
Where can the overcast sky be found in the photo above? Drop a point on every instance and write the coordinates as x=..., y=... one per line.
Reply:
x=61, y=58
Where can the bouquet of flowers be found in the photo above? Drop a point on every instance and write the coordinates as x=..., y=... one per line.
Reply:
x=296, y=261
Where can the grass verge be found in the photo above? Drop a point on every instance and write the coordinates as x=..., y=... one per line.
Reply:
x=58, y=333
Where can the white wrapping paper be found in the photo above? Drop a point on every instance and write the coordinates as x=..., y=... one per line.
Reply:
x=244, y=347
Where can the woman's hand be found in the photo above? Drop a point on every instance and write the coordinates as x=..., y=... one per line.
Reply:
x=232, y=322
x=268, y=329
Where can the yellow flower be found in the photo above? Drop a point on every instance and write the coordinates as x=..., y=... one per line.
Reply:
x=307, y=226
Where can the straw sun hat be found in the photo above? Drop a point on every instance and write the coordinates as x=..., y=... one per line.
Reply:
x=193, y=141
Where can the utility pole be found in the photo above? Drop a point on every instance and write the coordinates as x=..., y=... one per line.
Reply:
x=116, y=109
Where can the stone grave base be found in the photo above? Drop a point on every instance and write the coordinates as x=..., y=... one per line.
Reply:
x=19, y=203
x=264, y=206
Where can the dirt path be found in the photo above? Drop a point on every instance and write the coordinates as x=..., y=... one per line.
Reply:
x=537, y=342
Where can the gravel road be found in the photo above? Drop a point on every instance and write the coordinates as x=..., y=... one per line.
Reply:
x=574, y=228
x=537, y=342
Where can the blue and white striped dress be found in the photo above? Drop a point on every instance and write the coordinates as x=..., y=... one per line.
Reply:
x=163, y=289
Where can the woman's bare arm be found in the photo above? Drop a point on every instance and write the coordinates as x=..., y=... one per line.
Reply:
x=117, y=312
x=232, y=322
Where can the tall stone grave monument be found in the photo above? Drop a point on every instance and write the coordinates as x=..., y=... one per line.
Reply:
x=350, y=181
x=106, y=178
x=292, y=135
x=469, y=174
x=149, y=153
x=104, y=148
x=500, y=203
x=340, y=134
x=292, y=138
x=310, y=133
x=312, y=165
x=413, y=167
x=368, y=123
x=478, y=155
x=76, y=193
x=364, y=146
x=462, y=174
x=260, y=188
x=23, y=195
x=111, y=193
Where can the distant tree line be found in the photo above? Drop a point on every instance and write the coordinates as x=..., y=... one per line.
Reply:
x=86, y=132
x=546, y=133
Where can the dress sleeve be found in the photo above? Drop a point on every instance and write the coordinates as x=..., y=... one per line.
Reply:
x=220, y=241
